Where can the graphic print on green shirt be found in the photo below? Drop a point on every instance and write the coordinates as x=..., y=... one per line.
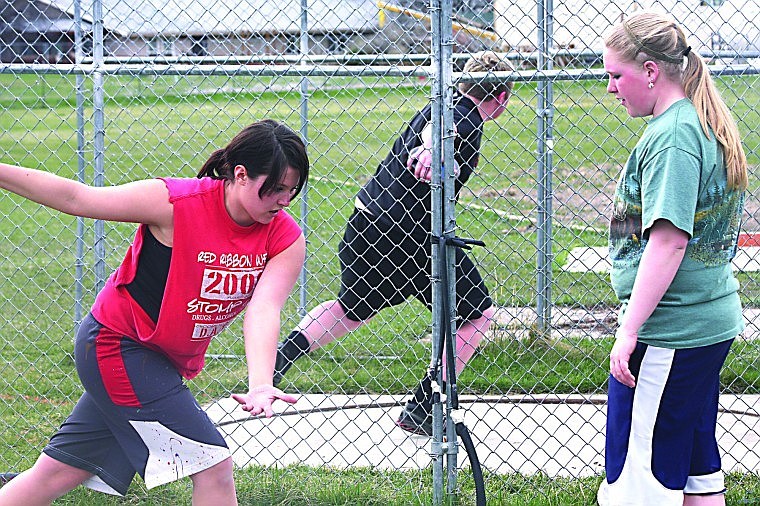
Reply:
x=715, y=228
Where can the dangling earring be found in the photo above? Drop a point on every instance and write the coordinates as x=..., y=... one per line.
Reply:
x=651, y=84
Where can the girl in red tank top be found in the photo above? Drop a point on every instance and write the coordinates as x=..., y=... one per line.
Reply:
x=205, y=250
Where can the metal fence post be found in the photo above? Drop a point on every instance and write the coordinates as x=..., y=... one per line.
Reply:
x=448, y=199
x=81, y=164
x=545, y=143
x=437, y=450
x=98, y=137
x=443, y=225
x=304, y=111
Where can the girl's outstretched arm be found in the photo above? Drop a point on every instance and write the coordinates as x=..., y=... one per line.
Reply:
x=145, y=201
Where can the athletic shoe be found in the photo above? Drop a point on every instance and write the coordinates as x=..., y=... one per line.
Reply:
x=415, y=418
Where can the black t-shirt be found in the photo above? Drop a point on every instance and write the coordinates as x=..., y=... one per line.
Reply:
x=394, y=194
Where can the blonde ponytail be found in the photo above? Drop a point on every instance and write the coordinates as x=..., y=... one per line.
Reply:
x=712, y=111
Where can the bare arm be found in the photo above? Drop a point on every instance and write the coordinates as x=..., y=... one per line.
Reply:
x=261, y=327
x=138, y=202
x=659, y=263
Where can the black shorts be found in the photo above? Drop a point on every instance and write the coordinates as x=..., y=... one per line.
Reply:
x=136, y=416
x=382, y=266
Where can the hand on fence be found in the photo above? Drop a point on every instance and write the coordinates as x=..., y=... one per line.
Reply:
x=260, y=399
x=420, y=162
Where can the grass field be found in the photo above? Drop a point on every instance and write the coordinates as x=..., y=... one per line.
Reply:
x=168, y=126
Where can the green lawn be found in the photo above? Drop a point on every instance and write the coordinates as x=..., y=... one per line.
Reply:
x=168, y=126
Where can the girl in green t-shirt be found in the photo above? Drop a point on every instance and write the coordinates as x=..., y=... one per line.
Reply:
x=677, y=211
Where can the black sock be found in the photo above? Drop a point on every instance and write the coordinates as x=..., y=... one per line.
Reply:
x=291, y=349
x=294, y=346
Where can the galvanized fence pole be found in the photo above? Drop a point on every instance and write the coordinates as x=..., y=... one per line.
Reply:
x=437, y=450
x=303, y=289
x=99, y=134
x=448, y=229
x=81, y=164
x=545, y=142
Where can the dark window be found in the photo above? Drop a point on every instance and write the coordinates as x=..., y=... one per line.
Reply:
x=199, y=46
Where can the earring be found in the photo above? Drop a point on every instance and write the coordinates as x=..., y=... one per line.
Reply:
x=651, y=84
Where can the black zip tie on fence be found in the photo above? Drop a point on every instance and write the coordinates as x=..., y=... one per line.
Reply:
x=457, y=242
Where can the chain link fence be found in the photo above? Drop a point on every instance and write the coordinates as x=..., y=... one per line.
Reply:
x=110, y=91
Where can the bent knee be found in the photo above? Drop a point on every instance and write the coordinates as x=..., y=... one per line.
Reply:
x=56, y=471
x=218, y=476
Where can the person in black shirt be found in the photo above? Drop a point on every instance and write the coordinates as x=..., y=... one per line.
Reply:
x=385, y=252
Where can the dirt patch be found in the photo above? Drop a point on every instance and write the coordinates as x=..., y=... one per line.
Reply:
x=582, y=198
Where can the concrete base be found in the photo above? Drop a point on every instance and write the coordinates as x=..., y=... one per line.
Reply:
x=556, y=435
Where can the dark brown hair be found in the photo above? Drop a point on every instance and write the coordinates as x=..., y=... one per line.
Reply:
x=266, y=147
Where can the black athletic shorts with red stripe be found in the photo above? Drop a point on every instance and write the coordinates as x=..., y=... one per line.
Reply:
x=136, y=416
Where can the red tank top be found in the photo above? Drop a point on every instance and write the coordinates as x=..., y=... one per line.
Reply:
x=214, y=268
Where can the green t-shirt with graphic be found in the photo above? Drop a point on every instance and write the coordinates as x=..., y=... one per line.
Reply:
x=676, y=173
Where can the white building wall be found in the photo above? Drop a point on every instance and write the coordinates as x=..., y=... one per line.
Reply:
x=741, y=30
x=582, y=25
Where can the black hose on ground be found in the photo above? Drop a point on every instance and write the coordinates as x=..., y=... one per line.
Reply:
x=477, y=471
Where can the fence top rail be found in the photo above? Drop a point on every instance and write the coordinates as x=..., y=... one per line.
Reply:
x=420, y=59
x=562, y=74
